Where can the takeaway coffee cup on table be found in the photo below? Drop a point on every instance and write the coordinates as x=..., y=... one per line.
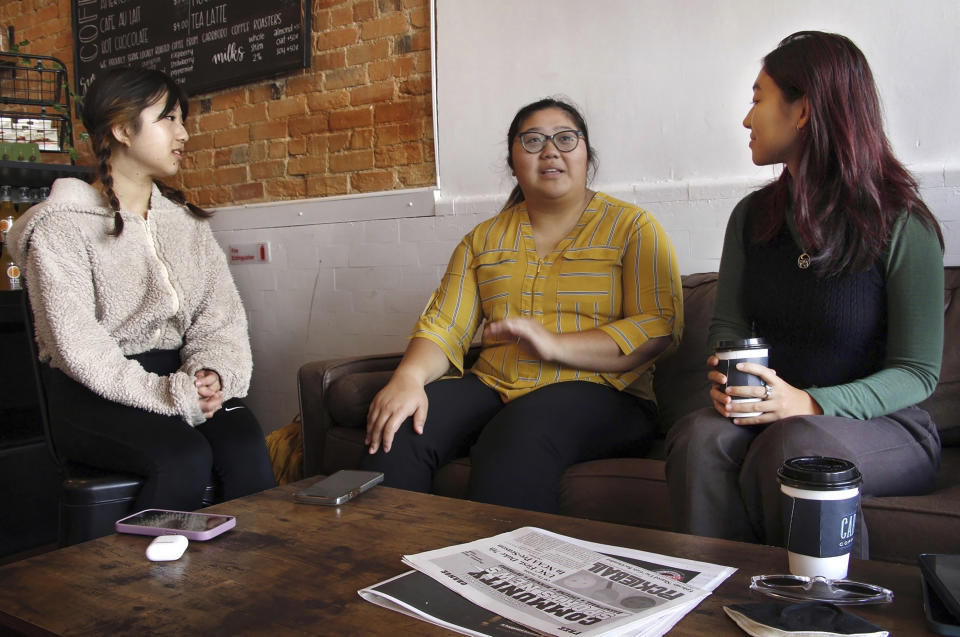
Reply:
x=747, y=350
x=820, y=499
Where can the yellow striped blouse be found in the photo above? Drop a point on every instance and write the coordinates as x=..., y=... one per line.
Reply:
x=616, y=272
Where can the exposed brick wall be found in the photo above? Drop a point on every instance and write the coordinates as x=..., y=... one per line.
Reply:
x=358, y=120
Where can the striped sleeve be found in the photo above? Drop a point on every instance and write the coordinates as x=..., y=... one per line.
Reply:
x=453, y=312
x=652, y=290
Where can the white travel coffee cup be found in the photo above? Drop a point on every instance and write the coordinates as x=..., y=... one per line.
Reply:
x=820, y=498
x=747, y=350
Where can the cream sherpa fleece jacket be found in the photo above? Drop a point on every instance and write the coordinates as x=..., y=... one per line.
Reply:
x=162, y=284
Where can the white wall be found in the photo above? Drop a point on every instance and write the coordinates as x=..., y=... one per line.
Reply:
x=664, y=87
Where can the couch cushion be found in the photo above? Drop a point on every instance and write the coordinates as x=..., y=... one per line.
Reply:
x=343, y=449
x=680, y=379
x=350, y=396
x=903, y=527
x=620, y=490
x=944, y=404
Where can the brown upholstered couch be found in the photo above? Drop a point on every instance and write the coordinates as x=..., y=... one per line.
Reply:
x=334, y=395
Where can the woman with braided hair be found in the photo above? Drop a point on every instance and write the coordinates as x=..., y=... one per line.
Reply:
x=138, y=322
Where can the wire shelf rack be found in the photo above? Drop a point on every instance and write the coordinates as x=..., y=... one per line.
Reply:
x=35, y=102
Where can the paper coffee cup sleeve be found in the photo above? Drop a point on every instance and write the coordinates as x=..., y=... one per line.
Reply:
x=820, y=528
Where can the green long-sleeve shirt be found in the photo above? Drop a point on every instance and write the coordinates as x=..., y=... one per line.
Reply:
x=913, y=270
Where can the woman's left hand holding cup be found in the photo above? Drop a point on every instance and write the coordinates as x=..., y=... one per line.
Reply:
x=778, y=398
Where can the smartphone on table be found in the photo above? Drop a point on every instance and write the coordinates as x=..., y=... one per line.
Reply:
x=941, y=577
x=339, y=487
x=195, y=526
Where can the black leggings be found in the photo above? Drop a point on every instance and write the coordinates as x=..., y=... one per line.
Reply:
x=175, y=459
x=518, y=450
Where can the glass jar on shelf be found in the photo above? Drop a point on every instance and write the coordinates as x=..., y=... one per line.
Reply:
x=9, y=271
x=25, y=198
x=10, y=278
x=8, y=211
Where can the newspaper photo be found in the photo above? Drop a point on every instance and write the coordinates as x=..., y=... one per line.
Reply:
x=531, y=581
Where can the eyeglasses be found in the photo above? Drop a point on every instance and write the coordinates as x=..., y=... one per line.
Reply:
x=820, y=589
x=565, y=140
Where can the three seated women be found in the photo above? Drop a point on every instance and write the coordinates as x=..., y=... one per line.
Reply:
x=837, y=263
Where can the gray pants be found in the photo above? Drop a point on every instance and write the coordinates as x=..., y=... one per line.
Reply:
x=723, y=477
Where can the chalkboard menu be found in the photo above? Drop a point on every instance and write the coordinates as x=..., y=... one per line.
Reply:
x=203, y=44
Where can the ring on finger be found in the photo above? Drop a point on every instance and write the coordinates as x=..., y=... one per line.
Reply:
x=767, y=392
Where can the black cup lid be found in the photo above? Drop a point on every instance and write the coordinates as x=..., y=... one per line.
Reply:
x=741, y=343
x=819, y=473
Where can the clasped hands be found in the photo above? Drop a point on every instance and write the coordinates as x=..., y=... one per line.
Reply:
x=209, y=391
x=779, y=399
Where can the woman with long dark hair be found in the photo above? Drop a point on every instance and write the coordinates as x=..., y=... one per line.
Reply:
x=578, y=293
x=137, y=317
x=838, y=264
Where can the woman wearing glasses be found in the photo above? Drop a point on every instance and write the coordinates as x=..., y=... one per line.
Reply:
x=839, y=265
x=578, y=294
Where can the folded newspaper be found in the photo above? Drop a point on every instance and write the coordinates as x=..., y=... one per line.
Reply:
x=534, y=582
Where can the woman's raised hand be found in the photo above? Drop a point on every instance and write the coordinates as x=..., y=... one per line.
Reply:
x=527, y=333
x=590, y=350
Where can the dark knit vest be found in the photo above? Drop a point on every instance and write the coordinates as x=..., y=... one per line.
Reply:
x=821, y=331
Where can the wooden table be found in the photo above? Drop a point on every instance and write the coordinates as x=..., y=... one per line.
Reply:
x=290, y=568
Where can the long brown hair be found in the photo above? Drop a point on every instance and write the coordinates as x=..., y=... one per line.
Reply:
x=849, y=188
x=116, y=98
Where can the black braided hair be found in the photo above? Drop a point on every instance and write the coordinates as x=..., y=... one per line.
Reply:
x=103, y=152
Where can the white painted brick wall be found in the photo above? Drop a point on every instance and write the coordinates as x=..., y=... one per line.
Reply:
x=356, y=287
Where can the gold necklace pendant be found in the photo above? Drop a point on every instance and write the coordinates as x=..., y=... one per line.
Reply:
x=803, y=261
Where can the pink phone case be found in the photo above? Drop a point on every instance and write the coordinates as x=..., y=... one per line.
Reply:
x=195, y=526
